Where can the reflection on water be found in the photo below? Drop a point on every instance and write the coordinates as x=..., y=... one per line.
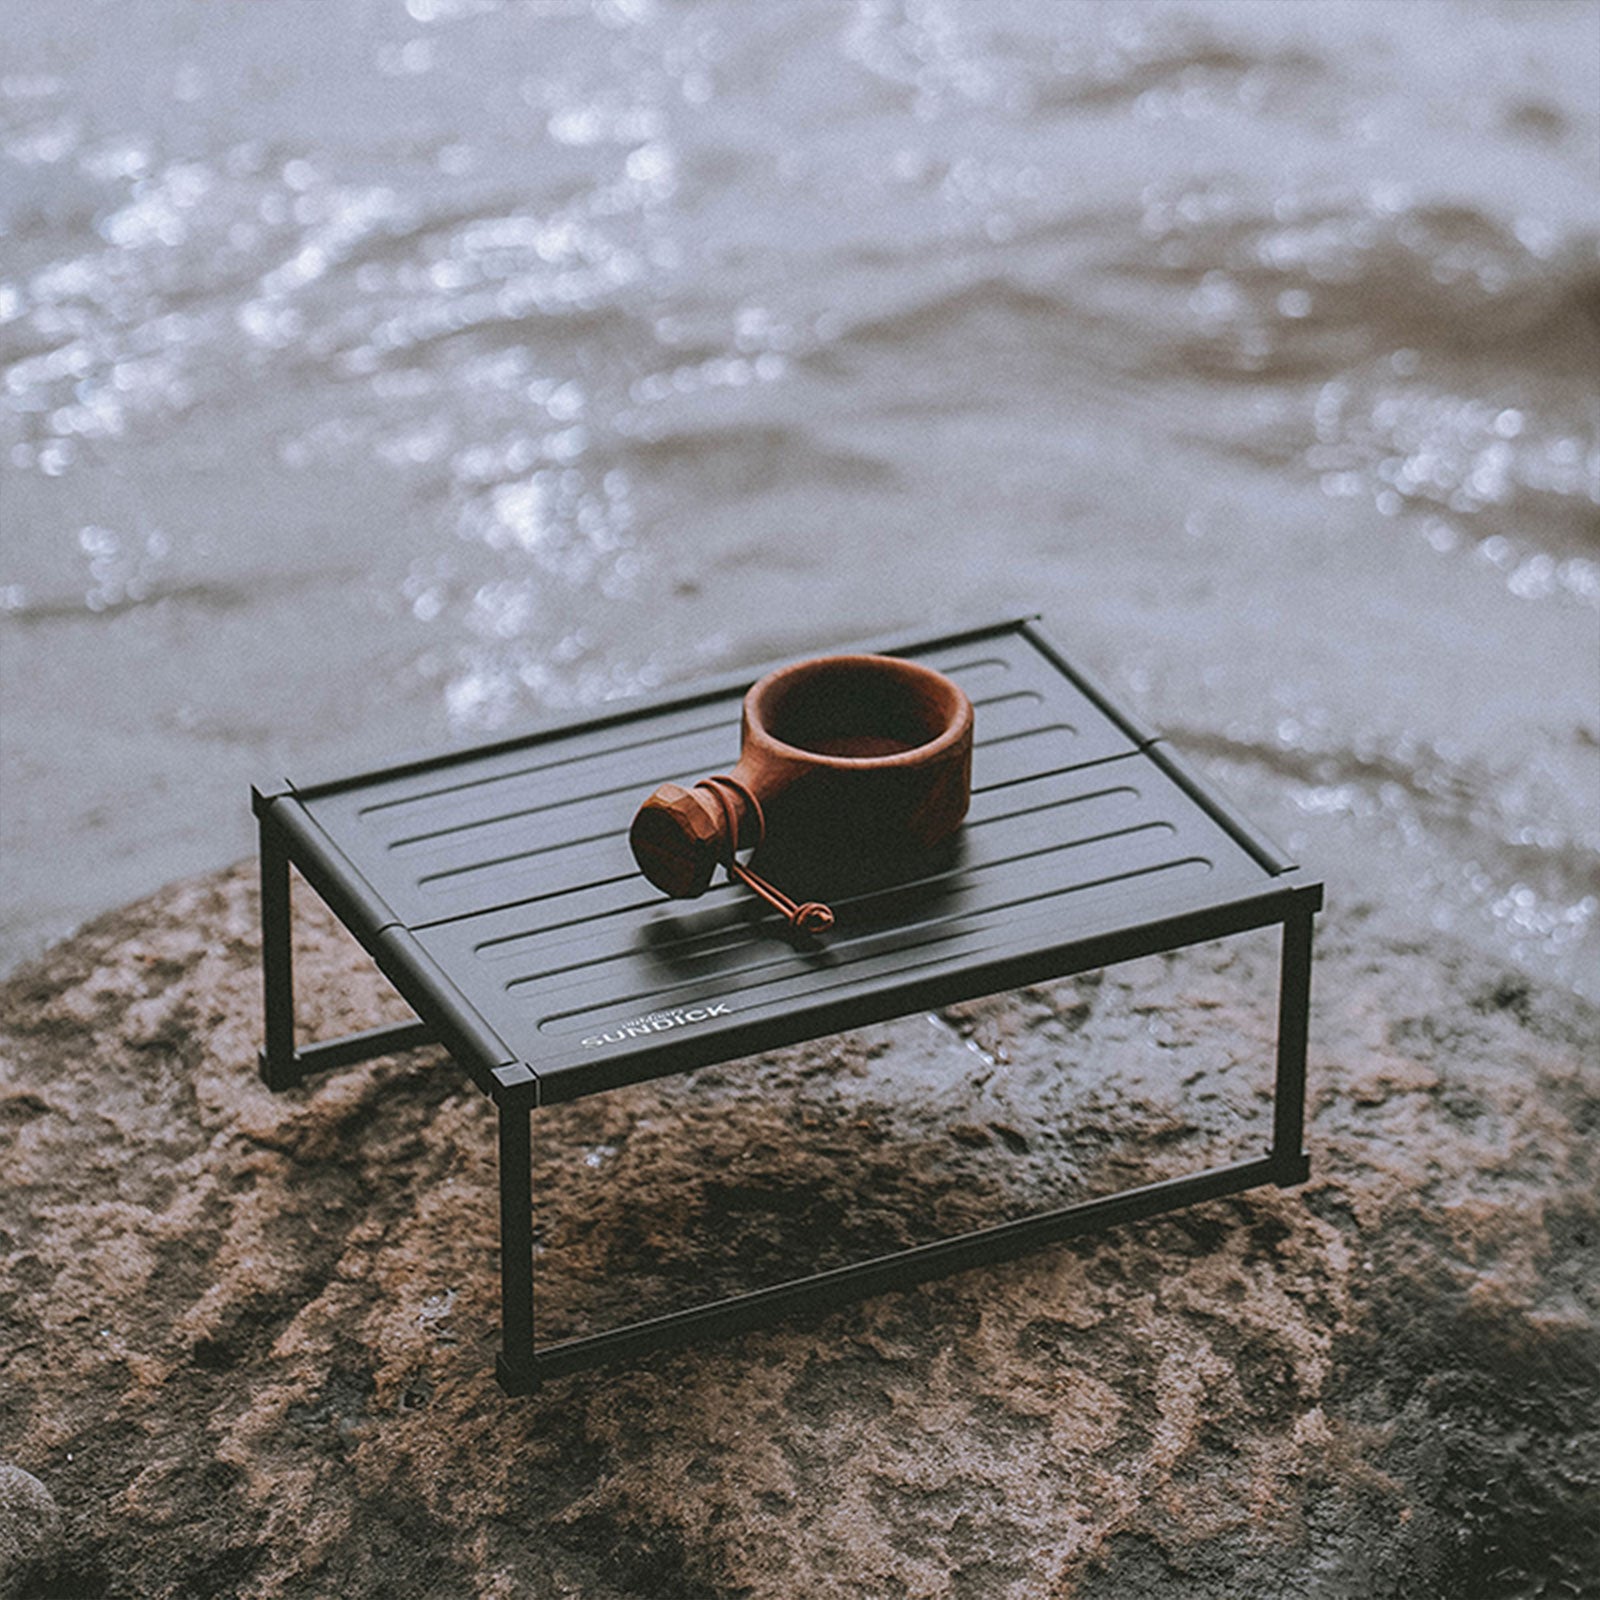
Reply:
x=459, y=361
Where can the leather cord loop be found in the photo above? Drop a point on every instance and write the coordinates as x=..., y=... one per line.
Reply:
x=810, y=917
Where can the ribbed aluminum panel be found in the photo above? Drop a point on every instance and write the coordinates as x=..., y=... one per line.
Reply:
x=511, y=868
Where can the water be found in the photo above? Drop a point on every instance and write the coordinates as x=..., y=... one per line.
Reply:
x=394, y=376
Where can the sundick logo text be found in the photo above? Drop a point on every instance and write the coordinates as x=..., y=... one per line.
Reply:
x=657, y=1022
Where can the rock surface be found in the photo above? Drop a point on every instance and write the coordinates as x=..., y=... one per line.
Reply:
x=247, y=1340
x=30, y=1529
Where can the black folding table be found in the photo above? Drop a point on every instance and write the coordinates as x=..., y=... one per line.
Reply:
x=495, y=888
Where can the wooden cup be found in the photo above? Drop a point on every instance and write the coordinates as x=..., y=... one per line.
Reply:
x=839, y=753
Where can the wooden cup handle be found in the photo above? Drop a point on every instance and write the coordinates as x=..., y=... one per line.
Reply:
x=681, y=836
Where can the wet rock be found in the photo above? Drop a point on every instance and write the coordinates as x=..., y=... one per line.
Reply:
x=247, y=1339
x=30, y=1530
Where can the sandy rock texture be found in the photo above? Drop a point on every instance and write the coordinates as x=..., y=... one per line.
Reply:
x=247, y=1340
x=30, y=1529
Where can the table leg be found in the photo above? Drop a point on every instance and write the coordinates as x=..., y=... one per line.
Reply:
x=1294, y=1016
x=515, y=1368
x=520, y=1370
x=279, y=1068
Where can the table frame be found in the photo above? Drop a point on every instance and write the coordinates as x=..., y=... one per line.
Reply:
x=289, y=838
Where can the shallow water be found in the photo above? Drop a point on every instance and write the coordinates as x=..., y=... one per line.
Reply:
x=382, y=382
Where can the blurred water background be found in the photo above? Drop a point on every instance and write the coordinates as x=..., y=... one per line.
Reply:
x=388, y=372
